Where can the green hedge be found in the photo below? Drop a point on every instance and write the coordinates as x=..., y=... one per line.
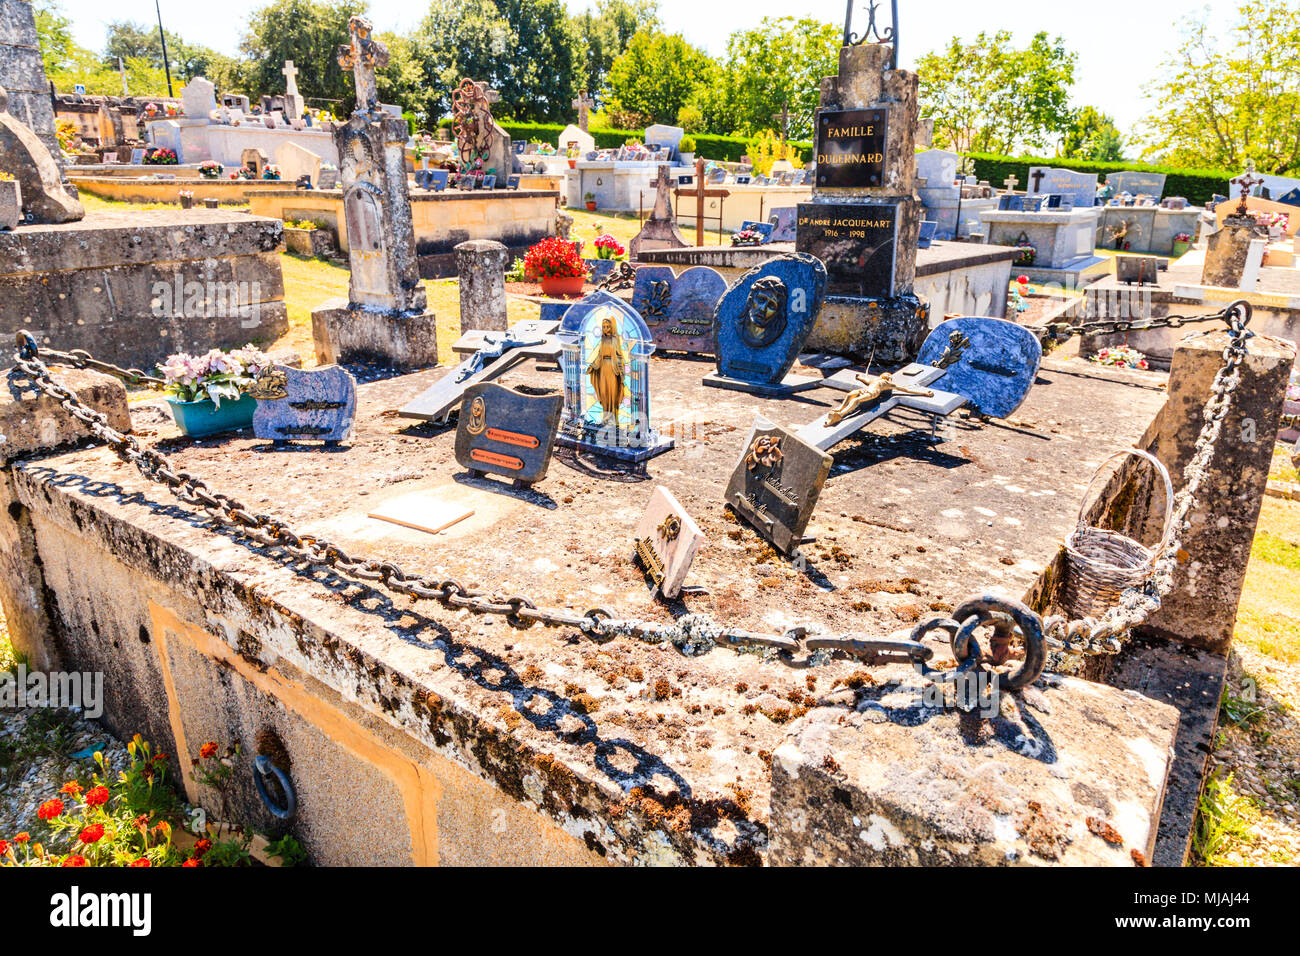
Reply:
x=1199, y=186
x=724, y=148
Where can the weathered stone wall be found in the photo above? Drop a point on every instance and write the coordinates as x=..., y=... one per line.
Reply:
x=23, y=74
x=96, y=284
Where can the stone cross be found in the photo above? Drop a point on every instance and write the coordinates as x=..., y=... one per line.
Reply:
x=1011, y=183
x=784, y=118
x=582, y=104
x=363, y=56
x=290, y=77
x=293, y=102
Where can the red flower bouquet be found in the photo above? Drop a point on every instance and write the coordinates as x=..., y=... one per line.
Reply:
x=557, y=265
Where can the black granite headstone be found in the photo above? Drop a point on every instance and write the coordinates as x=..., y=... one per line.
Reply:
x=856, y=241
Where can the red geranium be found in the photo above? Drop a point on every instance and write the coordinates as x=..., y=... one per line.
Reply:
x=193, y=861
x=50, y=809
x=208, y=750
x=202, y=847
x=74, y=860
x=554, y=258
x=97, y=796
x=92, y=834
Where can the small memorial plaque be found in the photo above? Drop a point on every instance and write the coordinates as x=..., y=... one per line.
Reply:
x=776, y=484
x=667, y=540
x=856, y=241
x=504, y=432
x=851, y=148
x=679, y=309
x=296, y=404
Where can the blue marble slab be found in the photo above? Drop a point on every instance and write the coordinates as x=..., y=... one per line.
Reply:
x=926, y=235
x=678, y=309
x=294, y=404
x=762, y=322
x=764, y=229
x=995, y=372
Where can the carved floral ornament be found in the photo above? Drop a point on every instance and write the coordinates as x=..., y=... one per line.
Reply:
x=764, y=452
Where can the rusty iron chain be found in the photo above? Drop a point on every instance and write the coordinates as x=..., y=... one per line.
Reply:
x=1060, y=332
x=691, y=634
x=1088, y=636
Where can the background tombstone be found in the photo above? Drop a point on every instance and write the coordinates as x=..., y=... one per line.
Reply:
x=254, y=159
x=293, y=101
x=297, y=161
x=1137, y=183
x=385, y=318
x=1080, y=187
x=481, y=267
x=24, y=156
x=660, y=230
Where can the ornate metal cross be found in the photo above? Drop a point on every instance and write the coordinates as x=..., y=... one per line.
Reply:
x=1247, y=181
x=873, y=33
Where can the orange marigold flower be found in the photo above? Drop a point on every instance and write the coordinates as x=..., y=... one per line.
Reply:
x=193, y=861
x=50, y=809
x=97, y=796
x=92, y=834
x=23, y=837
x=74, y=860
x=208, y=750
x=202, y=847
x=71, y=788
x=142, y=862
x=4, y=847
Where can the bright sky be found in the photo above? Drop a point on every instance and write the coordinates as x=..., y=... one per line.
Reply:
x=1120, y=43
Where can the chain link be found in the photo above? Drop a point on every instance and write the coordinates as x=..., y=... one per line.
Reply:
x=1088, y=636
x=692, y=634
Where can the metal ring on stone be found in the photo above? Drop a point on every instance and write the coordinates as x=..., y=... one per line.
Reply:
x=984, y=610
x=263, y=768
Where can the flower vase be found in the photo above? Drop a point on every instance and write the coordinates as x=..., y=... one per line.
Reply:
x=557, y=286
x=205, y=417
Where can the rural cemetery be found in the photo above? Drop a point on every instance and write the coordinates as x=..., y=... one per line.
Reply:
x=439, y=473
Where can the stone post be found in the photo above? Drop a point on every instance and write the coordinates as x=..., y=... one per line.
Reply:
x=31, y=423
x=481, y=265
x=1228, y=253
x=1202, y=608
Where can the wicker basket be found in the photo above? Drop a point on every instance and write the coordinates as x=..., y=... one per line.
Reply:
x=1102, y=565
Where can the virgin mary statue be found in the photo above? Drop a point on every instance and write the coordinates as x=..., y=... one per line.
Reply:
x=606, y=371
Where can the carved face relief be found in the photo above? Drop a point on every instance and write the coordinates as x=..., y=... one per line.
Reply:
x=764, y=317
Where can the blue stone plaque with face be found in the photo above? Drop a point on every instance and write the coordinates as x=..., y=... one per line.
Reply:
x=765, y=317
x=996, y=369
x=295, y=404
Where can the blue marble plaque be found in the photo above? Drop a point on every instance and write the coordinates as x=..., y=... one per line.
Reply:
x=762, y=322
x=294, y=404
x=764, y=229
x=995, y=371
x=678, y=309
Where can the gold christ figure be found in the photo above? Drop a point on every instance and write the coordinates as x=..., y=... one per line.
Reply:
x=873, y=388
x=606, y=371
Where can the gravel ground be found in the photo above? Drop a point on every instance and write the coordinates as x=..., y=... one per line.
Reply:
x=35, y=744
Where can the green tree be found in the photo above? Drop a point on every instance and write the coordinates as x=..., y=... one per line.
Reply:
x=139, y=42
x=68, y=64
x=54, y=30
x=657, y=75
x=773, y=67
x=1226, y=101
x=524, y=49
x=309, y=32
x=989, y=96
x=1093, y=135
x=604, y=33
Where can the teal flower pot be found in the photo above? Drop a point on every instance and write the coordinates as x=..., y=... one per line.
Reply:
x=205, y=418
